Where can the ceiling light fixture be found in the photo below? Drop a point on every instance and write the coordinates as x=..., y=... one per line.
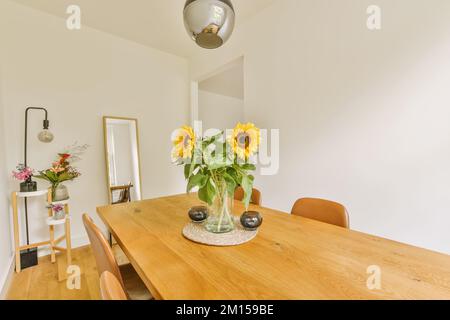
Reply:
x=210, y=23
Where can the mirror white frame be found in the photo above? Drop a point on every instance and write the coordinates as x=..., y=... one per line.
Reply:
x=138, y=187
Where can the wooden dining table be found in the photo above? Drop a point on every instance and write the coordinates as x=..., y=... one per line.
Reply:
x=291, y=258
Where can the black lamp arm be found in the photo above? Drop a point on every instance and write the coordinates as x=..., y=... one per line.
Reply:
x=46, y=124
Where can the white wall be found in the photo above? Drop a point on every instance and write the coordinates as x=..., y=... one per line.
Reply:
x=81, y=76
x=364, y=115
x=5, y=239
x=227, y=82
x=219, y=111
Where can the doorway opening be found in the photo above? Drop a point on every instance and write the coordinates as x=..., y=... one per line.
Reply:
x=220, y=98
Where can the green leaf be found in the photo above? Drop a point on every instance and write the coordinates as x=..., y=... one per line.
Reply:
x=203, y=194
x=196, y=161
x=247, y=185
x=214, y=162
x=249, y=167
x=43, y=178
x=207, y=193
x=187, y=171
x=231, y=183
x=199, y=180
x=207, y=141
x=235, y=175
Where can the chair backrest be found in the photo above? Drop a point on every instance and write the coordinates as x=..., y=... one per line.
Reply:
x=124, y=196
x=110, y=287
x=255, y=199
x=322, y=210
x=104, y=256
x=124, y=193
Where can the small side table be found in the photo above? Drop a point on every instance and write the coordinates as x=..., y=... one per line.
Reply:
x=53, y=243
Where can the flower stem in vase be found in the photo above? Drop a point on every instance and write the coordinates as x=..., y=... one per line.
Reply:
x=220, y=219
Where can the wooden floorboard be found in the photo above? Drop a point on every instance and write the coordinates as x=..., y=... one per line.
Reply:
x=41, y=282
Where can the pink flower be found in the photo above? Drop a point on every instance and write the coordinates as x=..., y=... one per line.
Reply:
x=57, y=169
x=23, y=173
x=57, y=207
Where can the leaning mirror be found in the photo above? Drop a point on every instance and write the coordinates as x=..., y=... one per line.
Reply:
x=122, y=159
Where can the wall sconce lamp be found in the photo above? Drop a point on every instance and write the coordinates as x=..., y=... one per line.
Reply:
x=44, y=136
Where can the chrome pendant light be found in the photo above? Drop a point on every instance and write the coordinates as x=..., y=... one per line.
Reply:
x=209, y=22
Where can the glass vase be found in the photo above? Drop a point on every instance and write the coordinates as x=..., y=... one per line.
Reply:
x=220, y=219
x=60, y=193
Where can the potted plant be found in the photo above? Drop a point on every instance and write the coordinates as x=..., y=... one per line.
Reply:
x=24, y=174
x=62, y=171
x=58, y=211
x=217, y=166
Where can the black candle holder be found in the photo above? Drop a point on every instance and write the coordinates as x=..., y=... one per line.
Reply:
x=198, y=214
x=28, y=186
x=251, y=220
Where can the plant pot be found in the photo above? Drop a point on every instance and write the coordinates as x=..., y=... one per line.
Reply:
x=59, y=215
x=28, y=186
x=220, y=219
x=60, y=193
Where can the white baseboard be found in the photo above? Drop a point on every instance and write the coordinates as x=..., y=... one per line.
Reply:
x=6, y=278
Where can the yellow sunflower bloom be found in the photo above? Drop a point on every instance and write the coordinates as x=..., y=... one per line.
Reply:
x=245, y=140
x=183, y=141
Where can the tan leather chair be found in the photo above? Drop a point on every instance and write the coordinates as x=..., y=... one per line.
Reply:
x=130, y=281
x=110, y=287
x=322, y=210
x=255, y=199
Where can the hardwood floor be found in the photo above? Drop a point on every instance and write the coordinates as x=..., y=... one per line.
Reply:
x=41, y=282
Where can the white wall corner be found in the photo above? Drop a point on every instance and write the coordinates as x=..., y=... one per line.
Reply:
x=194, y=101
x=6, y=278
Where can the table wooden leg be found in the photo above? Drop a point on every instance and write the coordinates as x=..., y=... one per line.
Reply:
x=16, y=231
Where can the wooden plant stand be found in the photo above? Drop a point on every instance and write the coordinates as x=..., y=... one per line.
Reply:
x=53, y=243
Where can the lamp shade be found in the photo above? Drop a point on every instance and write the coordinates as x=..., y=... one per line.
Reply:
x=210, y=23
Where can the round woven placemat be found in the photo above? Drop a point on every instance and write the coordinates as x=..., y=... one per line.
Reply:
x=196, y=232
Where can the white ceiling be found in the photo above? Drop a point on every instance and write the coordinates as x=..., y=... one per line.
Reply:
x=154, y=23
x=229, y=82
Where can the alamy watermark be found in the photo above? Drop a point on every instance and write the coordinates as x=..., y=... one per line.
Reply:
x=73, y=22
x=267, y=159
x=374, y=18
x=374, y=279
x=73, y=277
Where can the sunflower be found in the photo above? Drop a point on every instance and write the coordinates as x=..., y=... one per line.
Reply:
x=184, y=142
x=245, y=140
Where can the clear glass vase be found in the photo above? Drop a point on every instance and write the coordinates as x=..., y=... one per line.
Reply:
x=60, y=193
x=221, y=219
